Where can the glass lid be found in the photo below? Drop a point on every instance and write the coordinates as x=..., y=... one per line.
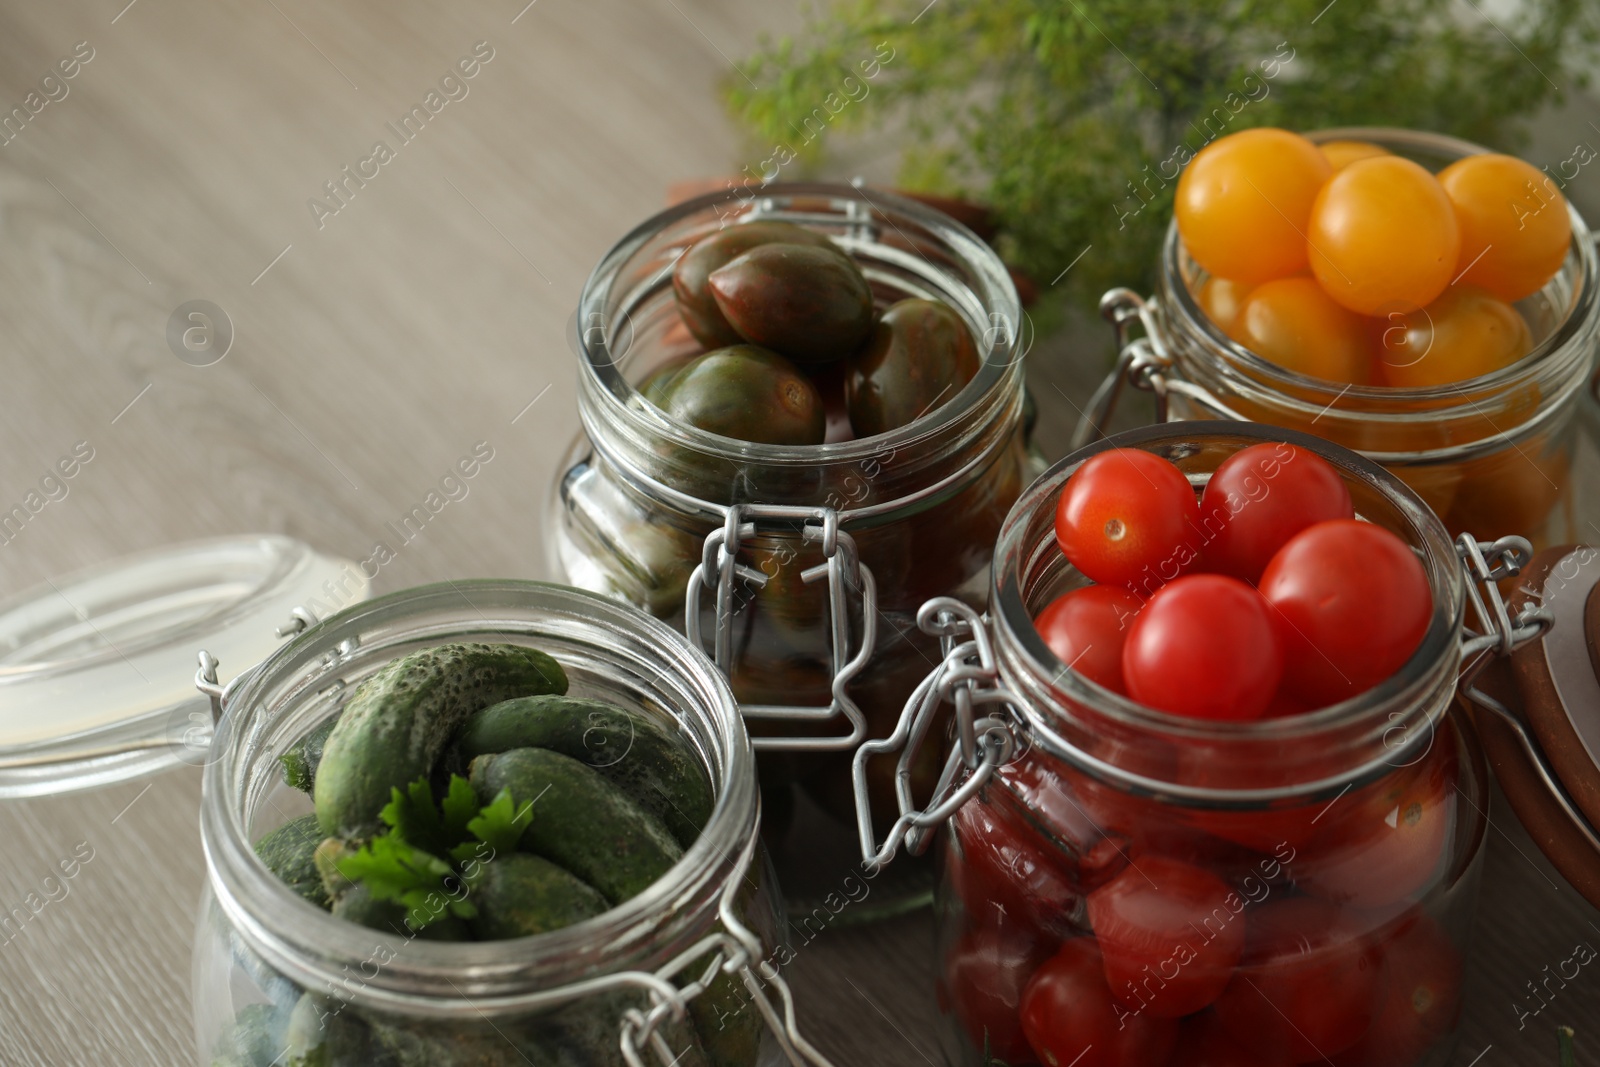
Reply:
x=97, y=668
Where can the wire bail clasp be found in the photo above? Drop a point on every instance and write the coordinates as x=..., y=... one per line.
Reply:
x=848, y=580
x=1498, y=633
x=967, y=678
x=1145, y=362
x=1494, y=632
x=735, y=951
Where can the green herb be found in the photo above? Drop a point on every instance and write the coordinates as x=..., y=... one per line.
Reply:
x=1073, y=118
x=404, y=864
x=1569, y=1054
x=393, y=869
x=435, y=827
x=500, y=824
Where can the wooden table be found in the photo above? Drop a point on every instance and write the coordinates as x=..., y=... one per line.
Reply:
x=372, y=347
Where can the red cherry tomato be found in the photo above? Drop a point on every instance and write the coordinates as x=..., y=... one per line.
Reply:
x=1170, y=933
x=1282, y=830
x=1387, y=842
x=1206, y=646
x=1086, y=629
x=1070, y=1017
x=1352, y=603
x=1204, y=1042
x=1307, y=983
x=1033, y=785
x=1420, y=1001
x=1262, y=496
x=1009, y=876
x=985, y=973
x=1285, y=705
x=1128, y=517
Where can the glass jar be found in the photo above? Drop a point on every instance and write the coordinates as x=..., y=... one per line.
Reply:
x=1492, y=455
x=1136, y=881
x=814, y=645
x=279, y=981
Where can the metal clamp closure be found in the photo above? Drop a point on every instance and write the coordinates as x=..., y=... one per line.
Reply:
x=720, y=571
x=1145, y=362
x=737, y=951
x=1497, y=634
x=967, y=678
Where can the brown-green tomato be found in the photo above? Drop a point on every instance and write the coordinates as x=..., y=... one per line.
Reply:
x=919, y=356
x=690, y=277
x=747, y=393
x=811, y=304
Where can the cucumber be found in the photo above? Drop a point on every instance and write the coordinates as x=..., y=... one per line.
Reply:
x=396, y=724
x=254, y=1039
x=300, y=762
x=436, y=1043
x=323, y=1032
x=728, y=1022
x=326, y=857
x=580, y=820
x=593, y=1029
x=358, y=905
x=519, y=895
x=658, y=770
x=288, y=851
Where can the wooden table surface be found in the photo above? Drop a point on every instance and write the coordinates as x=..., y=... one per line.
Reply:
x=372, y=348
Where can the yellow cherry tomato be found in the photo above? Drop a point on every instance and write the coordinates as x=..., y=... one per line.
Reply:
x=1383, y=236
x=1242, y=203
x=1466, y=333
x=1514, y=227
x=1293, y=323
x=1220, y=299
x=1343, y=153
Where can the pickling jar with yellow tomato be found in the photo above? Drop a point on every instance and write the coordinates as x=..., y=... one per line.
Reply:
x=1415, y=297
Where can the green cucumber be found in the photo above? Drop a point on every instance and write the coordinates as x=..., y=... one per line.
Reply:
x=520, y=894
x=593, y=1027
x=326, y=857
x=288, y=851
x=580, y=820
x=727, y=1020
x=254, y=1039
x=300, y=762
x=325, y=1032
x=359, y=906
x=658, y=770
x=396, y=724
x=444, y=1043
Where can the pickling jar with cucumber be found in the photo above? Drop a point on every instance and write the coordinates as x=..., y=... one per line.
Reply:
x=803, y=416
x=486, y=823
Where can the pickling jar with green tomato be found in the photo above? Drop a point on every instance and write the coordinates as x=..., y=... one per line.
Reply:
x=794, y=539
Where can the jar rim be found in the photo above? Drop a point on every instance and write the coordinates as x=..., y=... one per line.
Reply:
x=310, y=944
x=1581, y=314
x=1025, y=656
x=1008, y=331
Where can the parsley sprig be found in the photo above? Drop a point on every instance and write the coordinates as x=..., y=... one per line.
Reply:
x=407, y=863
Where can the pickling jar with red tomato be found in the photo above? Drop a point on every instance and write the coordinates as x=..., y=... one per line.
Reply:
x=1125, y=886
